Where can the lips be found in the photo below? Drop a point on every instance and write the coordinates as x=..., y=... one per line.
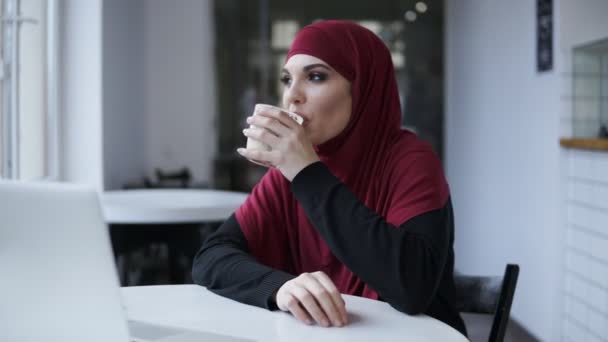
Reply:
x=304, y=116
x=306, y=120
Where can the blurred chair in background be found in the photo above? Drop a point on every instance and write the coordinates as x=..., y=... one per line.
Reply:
x=486, y=295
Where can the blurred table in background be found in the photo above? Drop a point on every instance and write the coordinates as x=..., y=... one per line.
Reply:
x=162, y=229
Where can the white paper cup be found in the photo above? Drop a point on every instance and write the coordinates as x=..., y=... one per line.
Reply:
x=257, y=145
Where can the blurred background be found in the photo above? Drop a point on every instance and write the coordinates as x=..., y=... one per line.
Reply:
x=252, y=41
x=513, y=96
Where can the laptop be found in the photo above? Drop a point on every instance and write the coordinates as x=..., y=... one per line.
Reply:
x=58, y=279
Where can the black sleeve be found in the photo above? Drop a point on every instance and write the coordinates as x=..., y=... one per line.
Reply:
x=404, y=264
x=225, y=267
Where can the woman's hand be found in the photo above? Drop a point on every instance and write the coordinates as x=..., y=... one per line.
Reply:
x=291, y=151
x=313, y=296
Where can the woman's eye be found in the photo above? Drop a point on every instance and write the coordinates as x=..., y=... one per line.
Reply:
x=285, y=80
x=317, y=76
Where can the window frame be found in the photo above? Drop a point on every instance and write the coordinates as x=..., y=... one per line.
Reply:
x=12, y=21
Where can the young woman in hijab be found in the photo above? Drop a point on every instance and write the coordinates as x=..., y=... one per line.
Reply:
x=350, y=204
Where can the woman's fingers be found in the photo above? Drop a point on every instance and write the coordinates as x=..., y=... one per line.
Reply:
x=293, y=306
x=334, y=294
x=309, y=302
x=313, y=296
x=264, y=158
x=272, y=123
x=261, y=135
x=276, y=114
x=325, y=300
x=265, y=164
x=290, y=149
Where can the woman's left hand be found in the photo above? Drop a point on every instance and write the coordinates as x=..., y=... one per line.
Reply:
x=291, y=151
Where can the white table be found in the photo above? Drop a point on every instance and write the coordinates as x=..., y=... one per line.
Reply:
x=193, y=307
x=157, y=206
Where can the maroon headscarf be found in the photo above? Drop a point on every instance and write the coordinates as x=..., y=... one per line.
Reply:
x=391, y=171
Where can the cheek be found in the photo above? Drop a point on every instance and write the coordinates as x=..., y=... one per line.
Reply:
x=335, y=116
x=340, y=107
x=335, y=103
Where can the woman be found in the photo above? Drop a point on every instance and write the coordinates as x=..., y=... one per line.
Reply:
x=351, y=204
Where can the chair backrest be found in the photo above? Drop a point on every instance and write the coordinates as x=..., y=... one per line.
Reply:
x=488, y=295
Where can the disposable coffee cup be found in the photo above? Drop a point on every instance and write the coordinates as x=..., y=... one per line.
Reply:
x=257, y=145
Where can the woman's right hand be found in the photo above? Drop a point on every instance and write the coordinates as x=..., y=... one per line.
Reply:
x=313, y=296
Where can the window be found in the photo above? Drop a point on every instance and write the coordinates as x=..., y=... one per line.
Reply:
x=590, y=89
x=28, y=89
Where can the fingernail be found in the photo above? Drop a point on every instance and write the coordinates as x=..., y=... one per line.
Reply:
x=248, y=119
x=240, y=150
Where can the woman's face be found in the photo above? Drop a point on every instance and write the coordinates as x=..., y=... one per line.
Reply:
x=319, y=94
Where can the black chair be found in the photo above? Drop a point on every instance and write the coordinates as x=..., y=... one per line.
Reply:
x=488, y=295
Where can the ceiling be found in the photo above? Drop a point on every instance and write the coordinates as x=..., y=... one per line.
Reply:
x=350, y=9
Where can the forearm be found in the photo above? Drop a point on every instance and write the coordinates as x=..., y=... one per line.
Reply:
x=224, y=266
x=402, y=264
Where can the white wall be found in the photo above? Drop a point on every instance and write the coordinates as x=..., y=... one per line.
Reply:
x=502, y=152
x=81, y=93
x=159, y=89
x=123, y=92
x=138, y=89
x=585, y=282
x=585, y=188
x=179, y=78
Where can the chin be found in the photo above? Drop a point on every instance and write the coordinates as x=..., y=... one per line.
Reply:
x=315, y=141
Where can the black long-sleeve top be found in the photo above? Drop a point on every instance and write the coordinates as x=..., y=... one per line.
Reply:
x=417, y=256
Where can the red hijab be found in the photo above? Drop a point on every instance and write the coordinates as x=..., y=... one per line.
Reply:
x=391, y=171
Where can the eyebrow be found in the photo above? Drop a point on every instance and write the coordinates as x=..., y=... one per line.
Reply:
x=311, y=66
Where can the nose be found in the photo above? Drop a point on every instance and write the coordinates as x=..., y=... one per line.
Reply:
x=294, y=95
